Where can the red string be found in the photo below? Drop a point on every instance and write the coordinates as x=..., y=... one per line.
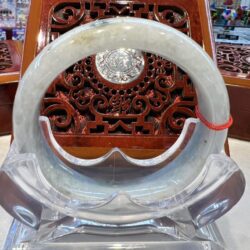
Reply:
x=213, y=126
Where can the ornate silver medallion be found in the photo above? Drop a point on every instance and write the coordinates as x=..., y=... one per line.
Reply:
x=120, y=66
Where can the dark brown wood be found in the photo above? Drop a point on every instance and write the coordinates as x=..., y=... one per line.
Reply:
x=7, y=95
x=83, y=107
x=240, y=109
x=10, y=61
x=6, y=119
x=10, y=58
x=234, y=63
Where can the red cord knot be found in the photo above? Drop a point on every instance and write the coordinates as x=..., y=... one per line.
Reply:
x=213, y=126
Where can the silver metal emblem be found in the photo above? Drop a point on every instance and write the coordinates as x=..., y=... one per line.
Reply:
x=120, y=66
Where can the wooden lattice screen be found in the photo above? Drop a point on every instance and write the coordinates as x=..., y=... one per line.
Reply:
x=86, y=109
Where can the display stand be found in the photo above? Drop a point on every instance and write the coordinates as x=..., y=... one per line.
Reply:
x=220, y=186
x=116, y=201
x=88, y=236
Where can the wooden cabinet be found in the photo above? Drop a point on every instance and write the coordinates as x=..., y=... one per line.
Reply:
x=234, y=63
x=10, y=60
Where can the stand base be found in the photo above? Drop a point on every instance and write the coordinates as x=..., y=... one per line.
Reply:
x=206, y=238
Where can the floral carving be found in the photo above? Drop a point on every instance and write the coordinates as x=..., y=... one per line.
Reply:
x=81, y=101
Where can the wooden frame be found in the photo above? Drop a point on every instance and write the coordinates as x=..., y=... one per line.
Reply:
x=13, y=73
x=234, y=63
x=9, y=78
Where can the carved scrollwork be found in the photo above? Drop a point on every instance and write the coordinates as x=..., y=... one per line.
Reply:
x=172, y=16
x=140, y=105
x=67, y=16
x=176, y=115
x=156, y=102
x=5, y=57
x=234, y=59
x=81, y=98
x=62, y=115
x=99, y=104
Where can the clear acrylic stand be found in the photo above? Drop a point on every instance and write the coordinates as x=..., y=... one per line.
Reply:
x=189, y=226
x=87, y=236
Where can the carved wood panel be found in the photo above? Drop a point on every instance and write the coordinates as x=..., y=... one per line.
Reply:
x=148, y=112
x=234, y=64
x=10, y=58
x=5, y=57
x=82, y=102
x=234, y=60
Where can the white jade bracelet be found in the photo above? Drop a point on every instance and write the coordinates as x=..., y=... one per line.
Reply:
x=135, y=33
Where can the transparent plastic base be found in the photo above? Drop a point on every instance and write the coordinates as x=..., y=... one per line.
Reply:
x=142, y=236
x=211, y=195
x=184, y=222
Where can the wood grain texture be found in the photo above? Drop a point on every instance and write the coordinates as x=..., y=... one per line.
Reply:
x=240, y=109
x=7, y=95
